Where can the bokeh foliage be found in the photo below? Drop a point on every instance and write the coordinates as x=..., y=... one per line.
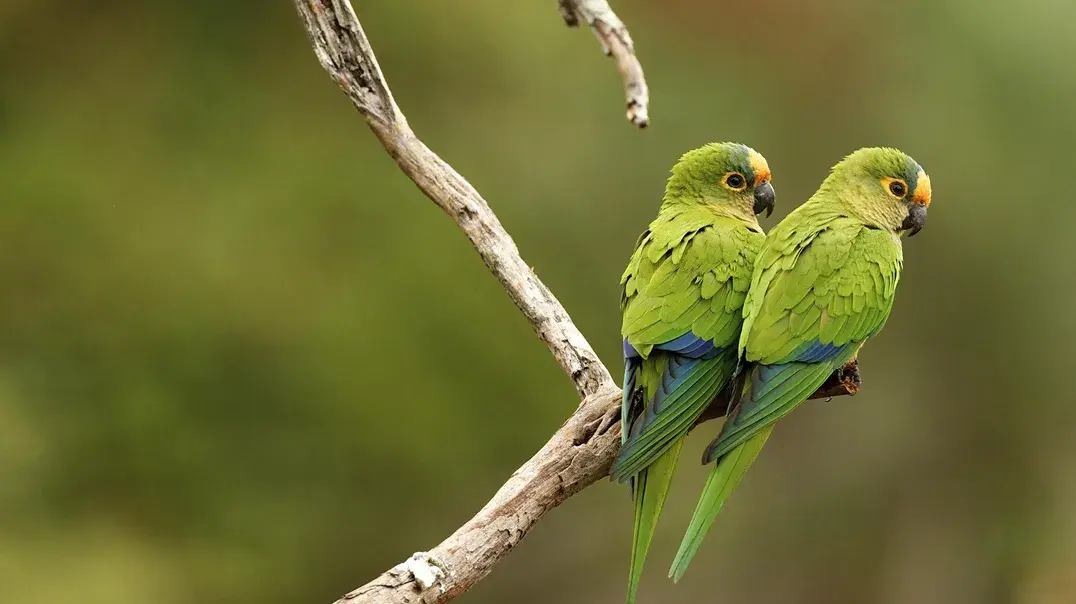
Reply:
x=243, y=359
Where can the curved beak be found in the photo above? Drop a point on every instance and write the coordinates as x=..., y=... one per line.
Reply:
x=764, y=198
x=916, y=220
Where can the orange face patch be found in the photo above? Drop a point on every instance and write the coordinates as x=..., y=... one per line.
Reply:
x=922, y=189
x=759, y=167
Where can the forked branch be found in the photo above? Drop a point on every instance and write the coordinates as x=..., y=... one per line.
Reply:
x=582, y=450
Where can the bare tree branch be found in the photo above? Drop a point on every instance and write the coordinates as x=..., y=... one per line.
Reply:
x=616, y=42
x=582, y=450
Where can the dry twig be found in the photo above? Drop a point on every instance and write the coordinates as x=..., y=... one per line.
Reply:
x=616, y=42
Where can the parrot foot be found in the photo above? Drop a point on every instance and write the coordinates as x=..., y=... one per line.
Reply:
x=425, y=568
x=845, y=381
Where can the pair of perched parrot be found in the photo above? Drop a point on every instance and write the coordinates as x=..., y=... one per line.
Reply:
x=715, y=312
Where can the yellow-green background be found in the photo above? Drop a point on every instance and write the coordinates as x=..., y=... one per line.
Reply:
x=243, y=359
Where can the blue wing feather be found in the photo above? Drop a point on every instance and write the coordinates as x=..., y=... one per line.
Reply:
x=688, y=345
x=815, y=351
x=631, y=368
x=772, y=391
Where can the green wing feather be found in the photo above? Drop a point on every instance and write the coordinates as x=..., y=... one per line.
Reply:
x=834, y=286
x=828, y=297
x=689, y=275
x=651, y=489
x=720, y=484
x=818, y=289
x=678, y=413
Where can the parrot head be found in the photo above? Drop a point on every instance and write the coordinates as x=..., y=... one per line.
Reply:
x=884, y=187
x=728, y=176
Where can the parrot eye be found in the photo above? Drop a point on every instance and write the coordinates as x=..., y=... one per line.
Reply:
x=735, y=181
x=897, y=187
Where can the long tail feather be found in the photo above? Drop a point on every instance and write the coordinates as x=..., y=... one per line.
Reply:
x=651, y=489
x=722, y=481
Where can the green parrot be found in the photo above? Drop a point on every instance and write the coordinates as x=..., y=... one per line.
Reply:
x=823, y=284
x=682, y=299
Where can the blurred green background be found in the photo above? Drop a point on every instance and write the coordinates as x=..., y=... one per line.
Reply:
x=242, y=358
